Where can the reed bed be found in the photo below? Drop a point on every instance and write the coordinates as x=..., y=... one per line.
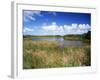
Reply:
x=48, y=54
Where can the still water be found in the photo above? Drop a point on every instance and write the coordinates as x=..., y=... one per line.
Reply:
x=61, y=41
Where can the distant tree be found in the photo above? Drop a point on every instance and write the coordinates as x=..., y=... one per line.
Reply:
x=87, y=35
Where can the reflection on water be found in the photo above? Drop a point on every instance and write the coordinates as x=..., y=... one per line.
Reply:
x=61, y=41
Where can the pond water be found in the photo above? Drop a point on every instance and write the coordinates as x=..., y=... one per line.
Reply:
x=61, y=41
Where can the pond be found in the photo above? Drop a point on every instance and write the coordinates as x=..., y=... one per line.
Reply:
x=61, y=41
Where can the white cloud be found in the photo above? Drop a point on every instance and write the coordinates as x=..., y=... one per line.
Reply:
x=74, y=25
x=55, y=29
x=29, y=15
x=66, y=29
x=82, y=26
x=28, y=30
x=52, y=27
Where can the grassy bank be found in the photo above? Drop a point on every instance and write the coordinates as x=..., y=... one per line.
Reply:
x=48, y=54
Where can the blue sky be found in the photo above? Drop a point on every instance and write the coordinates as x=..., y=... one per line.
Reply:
x=55, y=23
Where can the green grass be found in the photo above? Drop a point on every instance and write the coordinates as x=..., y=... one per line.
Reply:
x=48, y=54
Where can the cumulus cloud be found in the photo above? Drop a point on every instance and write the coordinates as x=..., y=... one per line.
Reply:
x=84, y=27
x=30, y=15
x=28, y=30
x=66, y=29
x=52, y=27
x=55, y=29
x=77, y=28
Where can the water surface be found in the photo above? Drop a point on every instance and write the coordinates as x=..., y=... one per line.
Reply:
x=61, y=41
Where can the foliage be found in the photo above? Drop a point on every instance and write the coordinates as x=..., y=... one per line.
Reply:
x=83, y=37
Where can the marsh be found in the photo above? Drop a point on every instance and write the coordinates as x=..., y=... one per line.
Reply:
x=61, y=41
x=53, y=39
x=55, y=52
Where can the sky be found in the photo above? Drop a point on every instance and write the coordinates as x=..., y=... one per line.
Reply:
x=55, y=23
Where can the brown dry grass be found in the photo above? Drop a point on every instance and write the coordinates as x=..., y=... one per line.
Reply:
x=46, y=54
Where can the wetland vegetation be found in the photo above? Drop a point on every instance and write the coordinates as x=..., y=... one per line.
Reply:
x=56, y=51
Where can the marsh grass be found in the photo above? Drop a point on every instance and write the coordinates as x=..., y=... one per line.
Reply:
x=48, y=54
